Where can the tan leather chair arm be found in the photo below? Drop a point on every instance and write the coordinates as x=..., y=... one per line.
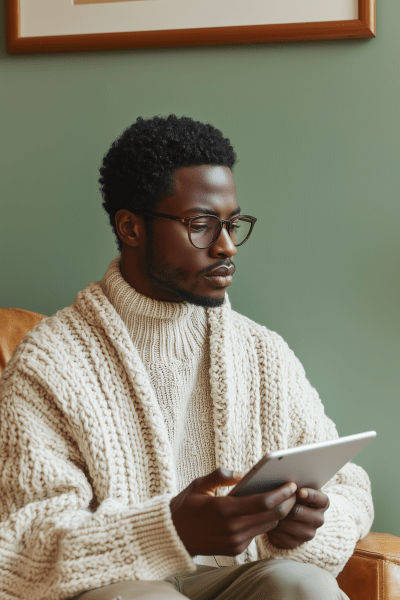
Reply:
x=14, y=324
x=373, y=572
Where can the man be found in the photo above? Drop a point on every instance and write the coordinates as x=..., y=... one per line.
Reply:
x=126, y=416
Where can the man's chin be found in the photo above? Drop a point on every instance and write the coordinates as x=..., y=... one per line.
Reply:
x=167, y=280
x=205, y=301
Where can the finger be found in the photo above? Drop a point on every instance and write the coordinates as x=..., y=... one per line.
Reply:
x=256, y=524
x=301, y=531
x=261, y=503
x=314, y=498
x=313, y=517
x=218, y=478
x=281, y=539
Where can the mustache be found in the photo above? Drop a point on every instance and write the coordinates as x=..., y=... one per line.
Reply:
x=220, y=264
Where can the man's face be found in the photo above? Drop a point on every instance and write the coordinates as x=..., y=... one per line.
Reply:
x=173, y=268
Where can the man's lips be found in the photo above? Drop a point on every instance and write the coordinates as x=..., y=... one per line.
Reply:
x=223, y=271
x=222, y=276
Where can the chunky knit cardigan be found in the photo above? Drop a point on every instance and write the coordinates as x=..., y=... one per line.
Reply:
x=86, y=468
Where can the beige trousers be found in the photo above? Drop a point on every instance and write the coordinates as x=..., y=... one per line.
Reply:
x=270, y=579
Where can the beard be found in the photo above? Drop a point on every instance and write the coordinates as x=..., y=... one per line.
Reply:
x=165, y=277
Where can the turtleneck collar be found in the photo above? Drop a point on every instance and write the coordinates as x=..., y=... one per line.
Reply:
x=162, y=331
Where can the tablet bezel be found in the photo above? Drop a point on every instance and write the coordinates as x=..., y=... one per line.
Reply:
x=310, y=465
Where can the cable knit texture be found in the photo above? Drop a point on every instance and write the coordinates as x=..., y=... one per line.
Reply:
x=172, y=341
x=87, y=459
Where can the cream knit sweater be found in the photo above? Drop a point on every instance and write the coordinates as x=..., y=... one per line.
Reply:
x=86, y=463
x=172, y=342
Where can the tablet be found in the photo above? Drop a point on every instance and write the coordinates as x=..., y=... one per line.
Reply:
x=312, y=465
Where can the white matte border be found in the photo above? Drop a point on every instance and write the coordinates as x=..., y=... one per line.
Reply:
x=61, y=17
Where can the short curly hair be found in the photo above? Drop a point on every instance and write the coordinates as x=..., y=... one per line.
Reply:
x=137, y=170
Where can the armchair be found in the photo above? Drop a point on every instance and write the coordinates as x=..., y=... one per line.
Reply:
x=372, y=573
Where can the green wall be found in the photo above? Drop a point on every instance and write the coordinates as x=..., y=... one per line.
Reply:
x=317, y=130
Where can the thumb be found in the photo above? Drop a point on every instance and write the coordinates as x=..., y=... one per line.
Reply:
x=219, y=478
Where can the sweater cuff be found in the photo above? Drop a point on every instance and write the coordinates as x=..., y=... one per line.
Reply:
x=139, y=542
x=163, y=544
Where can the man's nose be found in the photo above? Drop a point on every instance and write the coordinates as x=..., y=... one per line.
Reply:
x=224, y=244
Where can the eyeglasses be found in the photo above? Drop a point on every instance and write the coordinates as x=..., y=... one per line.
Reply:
x=205, y=230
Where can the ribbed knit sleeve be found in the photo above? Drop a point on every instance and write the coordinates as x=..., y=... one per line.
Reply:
x=350, y=514
x=52, y=545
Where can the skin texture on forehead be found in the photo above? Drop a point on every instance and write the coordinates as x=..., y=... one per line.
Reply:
x=165, y=265
x=206, y=178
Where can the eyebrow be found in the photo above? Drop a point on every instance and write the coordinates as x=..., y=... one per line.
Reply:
x=209, y=211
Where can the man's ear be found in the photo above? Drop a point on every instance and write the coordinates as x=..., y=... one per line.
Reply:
x=130, y=227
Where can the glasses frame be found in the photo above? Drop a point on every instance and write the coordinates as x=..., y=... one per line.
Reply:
x=188, y=220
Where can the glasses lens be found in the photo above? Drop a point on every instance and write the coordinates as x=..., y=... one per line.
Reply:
x=204, y=231
x=240, y=229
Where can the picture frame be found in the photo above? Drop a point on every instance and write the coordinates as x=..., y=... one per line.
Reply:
x=79, y=25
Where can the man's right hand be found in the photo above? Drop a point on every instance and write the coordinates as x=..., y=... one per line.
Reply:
x=225, y=525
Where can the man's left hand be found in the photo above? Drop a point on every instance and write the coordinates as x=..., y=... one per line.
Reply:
x=301, y=524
